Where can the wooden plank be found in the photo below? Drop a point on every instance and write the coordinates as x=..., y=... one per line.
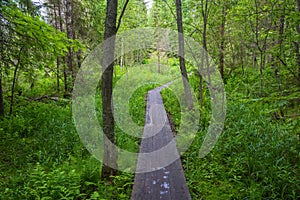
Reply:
x=161, y=182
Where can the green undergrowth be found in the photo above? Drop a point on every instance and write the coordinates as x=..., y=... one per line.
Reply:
x=172, y=107
x=256, y=157
x=42, y=157
x=138, y=102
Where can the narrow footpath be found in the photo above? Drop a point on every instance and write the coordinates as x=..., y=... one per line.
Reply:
x=160, y=178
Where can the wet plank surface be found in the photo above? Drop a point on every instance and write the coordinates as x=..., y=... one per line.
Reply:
x=159, y=173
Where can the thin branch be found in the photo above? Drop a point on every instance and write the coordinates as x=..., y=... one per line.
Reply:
x=171, y=10
x=122, y=13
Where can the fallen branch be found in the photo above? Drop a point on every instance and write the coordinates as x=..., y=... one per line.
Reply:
x=53, y=98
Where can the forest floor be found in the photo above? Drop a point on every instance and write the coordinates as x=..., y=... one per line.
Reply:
x=256, y=157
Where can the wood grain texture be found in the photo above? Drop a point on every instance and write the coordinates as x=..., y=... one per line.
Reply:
x=162, y=180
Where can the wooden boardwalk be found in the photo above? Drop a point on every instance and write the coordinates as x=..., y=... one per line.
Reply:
x=158, y=174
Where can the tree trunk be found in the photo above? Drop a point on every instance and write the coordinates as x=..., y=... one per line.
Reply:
x=57, y=59
x=201, y=90
x=70, y=68
x=60, y=16
x=14, y=82
x=64, y=61
x=79, y=59
x=222, y=46
x=13, y=88
x=2, y=113
x=261, y=73
x=73, y=36
x=204, y=48
x=187, y=89
x=297, y=44
x=65, y=80
x=57, y=75
x=1, y=96
x=280, y=41
x=158, y=57
x=298, y=60
x=110, y=154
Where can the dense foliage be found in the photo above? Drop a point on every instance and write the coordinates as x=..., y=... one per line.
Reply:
x=255, y=45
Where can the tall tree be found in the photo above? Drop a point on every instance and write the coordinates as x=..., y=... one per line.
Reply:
x=297, y=46
x=187, y=89
x=71, y=17
x=1, y=95
x=110, y=154
x=24, y=44
x=222, y=44
x=204, y=58
x=1, y=58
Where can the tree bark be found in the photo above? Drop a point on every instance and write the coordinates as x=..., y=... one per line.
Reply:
x=1, y=96
x=13, y=89
x=73, y=36
x=57, y=59
x=280, y=42
x=70, y=66
x=297, y=43
x=110, y=154
x=60, y=16
x=2, y=113
x=222, y=46
x=65, y=78
x=187, y=89
x=61, y=27
x=204, y=47
x=14, y=82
